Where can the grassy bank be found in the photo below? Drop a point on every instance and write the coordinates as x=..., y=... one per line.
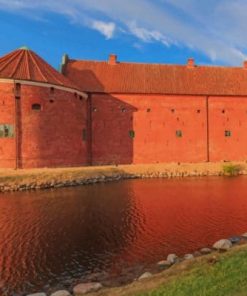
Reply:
x=59, y=177
x=212, y=275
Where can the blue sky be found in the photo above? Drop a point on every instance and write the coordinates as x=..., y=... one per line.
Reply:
x=158, y=31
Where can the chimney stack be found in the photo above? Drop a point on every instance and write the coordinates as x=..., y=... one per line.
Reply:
x=245, y=65
x=191, y=63
x=112, y=59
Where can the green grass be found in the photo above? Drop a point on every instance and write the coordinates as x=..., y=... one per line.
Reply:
x=231, y=169
x=228, y=277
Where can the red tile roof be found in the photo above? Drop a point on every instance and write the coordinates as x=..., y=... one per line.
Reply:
x=24, y=64
x=157, y=79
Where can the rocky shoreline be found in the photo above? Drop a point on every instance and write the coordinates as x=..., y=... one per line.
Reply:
x=79, y=181
x=222, y=245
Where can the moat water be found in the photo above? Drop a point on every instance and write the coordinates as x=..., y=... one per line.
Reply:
x=56, y=238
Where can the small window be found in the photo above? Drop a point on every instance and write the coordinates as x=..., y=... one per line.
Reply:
x=132, y=134
x=36, y=107
x=198, y=111
x=228, y=133
x=6, y=131
x=84, y=134
x=148, y=110
x=172, y=110
x=179, y=134
x=123, y=110
x=51, y=101
x=52, y=90
x=223, y=111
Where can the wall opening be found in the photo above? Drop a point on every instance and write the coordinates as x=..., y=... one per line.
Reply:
x=84, y=135
x=228, y=133
x=179, y=134
x=6, y=131
x=36, y=107
x=132, y=134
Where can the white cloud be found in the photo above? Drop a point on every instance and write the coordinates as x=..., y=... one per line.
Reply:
x=106, y=29
x=148, y=35
x=215, y=28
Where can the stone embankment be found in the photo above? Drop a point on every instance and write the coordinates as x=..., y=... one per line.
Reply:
x=222, y=245
x=20, y=180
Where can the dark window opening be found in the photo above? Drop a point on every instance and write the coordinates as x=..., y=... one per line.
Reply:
x=132, y=134
x=84, y=134
x=148, y=110
x=52, y=90
x=172, y=110
x=80, y=97
x=36, y=107
x=51, y=101
x=123, y=110
x=17, y=90
x=6, y=131
x=223, y=111
x=198, y=111
x=228, y=133
x=179, y=134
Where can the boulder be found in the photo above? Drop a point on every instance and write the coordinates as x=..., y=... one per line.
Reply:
x=164, y=264
x=145, y=275
x=61, y=293
x=235, y=239
x=82, y=289
x=188, y=256
x=172, y=258
x=206, y=251
x=223, y=244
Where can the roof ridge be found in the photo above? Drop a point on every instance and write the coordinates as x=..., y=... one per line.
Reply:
x=155, y=64
x=38, y=67
x=27, y=63
x=17, y=64
x=11, y=59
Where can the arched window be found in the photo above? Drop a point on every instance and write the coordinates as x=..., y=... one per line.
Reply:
x=36, y=107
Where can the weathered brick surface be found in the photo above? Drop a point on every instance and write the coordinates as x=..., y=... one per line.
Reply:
x=53, y=137
x=47, y=138
x=155, y=120
x=228, y=114
x=7, y=116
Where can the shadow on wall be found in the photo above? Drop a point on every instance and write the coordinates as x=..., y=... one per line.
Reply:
x=112, y=131
x=51, y=128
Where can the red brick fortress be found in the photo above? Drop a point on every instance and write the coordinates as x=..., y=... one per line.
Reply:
x=43, y=115
x=119, y=113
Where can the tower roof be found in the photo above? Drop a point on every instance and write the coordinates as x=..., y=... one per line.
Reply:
x=25, y=64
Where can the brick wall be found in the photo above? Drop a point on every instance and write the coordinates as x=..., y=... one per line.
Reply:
x=50, y=137
x=228, y=114
x=125, y=128
x=157, y=121
x=7, y=116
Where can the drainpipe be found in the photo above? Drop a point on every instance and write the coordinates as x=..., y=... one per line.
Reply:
x=17, y=96
x=207, y=127
x=89, y=128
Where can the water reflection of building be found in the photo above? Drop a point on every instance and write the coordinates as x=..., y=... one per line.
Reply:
x=55, y=237
x=181, y=216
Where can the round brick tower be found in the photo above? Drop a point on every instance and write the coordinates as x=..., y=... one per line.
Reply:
x=43, y=115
